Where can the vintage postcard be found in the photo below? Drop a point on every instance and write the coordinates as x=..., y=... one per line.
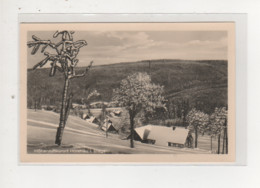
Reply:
x=148, y=93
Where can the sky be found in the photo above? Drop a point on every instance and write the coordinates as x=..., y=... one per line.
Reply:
x=106, y=47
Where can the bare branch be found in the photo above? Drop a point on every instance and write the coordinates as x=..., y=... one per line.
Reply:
x=83, y=74
x=80, y=43
x=44, y=42
x=38, y=42
x=74, y=48
x=59, y=69
x=35, y=38
x=74, y=62
x=41, y=63
x=88, y=67
x=66, y=35
x=50, y=57
x=44, y=47
x=53, y=69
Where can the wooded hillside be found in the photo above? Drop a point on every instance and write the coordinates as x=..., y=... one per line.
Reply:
x=200, y=84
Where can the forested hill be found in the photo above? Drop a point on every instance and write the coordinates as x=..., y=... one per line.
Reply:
x=202, y=83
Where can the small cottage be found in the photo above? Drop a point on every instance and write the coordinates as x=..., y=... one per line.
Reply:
x=109, y=127
x=92, y=119
x=85, y=116
x=161, y=135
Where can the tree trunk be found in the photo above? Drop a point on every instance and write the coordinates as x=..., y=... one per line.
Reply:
x=226, y=140
x=35, y=105
x=226, y=136
x=175, y=112
x=219, y=143
x=106, y=125
x=211, y=143
x=223, y=144
x=183, y=118
x=60, y=129
x=132, y=131
x=88, y=107
x=196, y=137
x=68, y=107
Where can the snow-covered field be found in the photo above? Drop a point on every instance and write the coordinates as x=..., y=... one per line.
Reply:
x=83, y=137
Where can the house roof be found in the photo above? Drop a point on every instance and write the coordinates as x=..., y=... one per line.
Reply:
x=107, y=127
x=91, y=119
x=99, y=102
x=85, y=116
x=143, y=131
x=107, y=120
x=163, y=134
x=117, y=112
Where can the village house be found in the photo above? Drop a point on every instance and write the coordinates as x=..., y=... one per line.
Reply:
x=117, y=112
x=78, y=106
x=98, y=104
x=92, y=119
x=162, y=136
x=85, y=116
x=108, y=126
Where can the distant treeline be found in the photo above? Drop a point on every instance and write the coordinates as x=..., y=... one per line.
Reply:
x=187, y=84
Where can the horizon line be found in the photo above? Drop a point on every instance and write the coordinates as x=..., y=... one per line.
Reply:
x=146, y=60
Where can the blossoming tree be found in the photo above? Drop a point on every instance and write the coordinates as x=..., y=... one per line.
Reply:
x=217, y=125
x=198, y=122
x=137, y=93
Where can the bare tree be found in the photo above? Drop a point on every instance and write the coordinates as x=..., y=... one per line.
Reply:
x=64, y=60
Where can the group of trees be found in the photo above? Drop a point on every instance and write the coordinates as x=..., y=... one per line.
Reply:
x=177, y=108
x=39, y=94
x=201, y=89
x=138, y=95
x=214, y=125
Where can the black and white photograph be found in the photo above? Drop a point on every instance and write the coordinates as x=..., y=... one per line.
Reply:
x=128, y=90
